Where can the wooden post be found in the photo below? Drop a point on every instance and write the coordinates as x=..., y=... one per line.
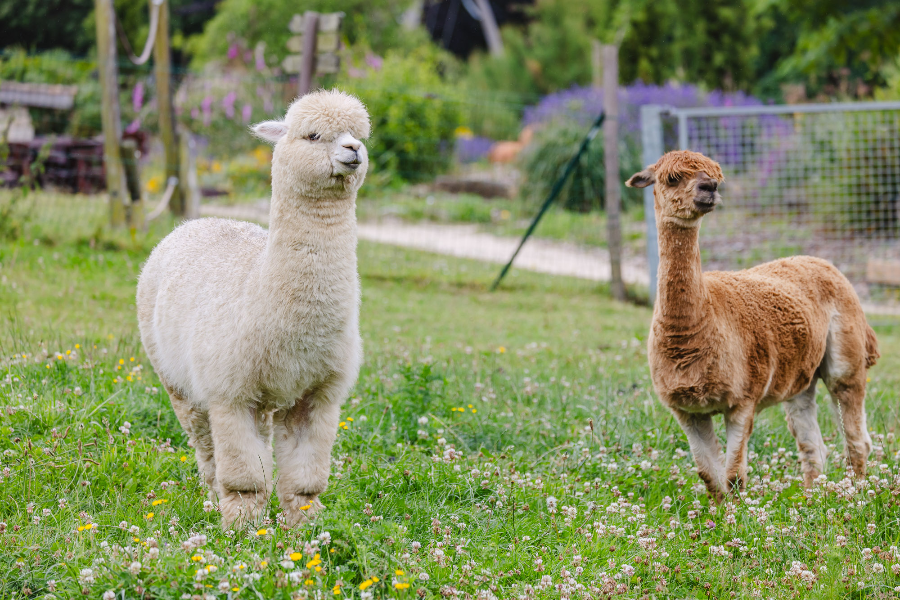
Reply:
x=308, y=66
x=162, y=69
x=110, y=114
x=596, y=64
x=134, y=208
x=611, y=158
x=489, y=26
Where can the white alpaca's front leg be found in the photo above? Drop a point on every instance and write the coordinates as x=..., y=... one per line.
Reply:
x=304, y=436
x=243, y=458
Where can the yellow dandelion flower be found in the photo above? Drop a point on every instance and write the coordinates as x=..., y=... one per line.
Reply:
x=183, y=458
x=262, y=532
x=306, y=507
x=474, y=410
x=234, y=589
x=332, y=550
x=295, y=556
x=48, y=366
x=137, y=539
x=159, y=501
x=59, y=357
x=264, y=564
x=366, y=584
x=401, y=586
x=68, y=353
x=196, y=558
x=336, y=590
x=148, y=516
x=375, y=579
x=350, y=419
x=128, y=378
x=77, y=346
x=342, y=424
x=309, y=582
x=399, y=573
x=318, y=569
x=131, y=359
x=501, y=349
x=86, y=527
x=121, y=361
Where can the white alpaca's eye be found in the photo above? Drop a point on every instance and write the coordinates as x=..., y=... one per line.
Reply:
x=313, y=136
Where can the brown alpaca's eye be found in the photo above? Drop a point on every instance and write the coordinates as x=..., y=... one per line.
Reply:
x=313, y=136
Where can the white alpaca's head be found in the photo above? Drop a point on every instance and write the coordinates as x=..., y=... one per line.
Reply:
x=318, y=152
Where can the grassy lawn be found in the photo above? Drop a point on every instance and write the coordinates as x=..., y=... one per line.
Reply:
x=497, y=445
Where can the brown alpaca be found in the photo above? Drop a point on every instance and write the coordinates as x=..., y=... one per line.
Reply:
x=735, y=342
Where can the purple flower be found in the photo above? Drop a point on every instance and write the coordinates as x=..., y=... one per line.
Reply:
x=232, y=51
x=133, y=126
x=246, y=113
x=473, y=148
x=374, y=61
x=206, y=107
x=137, y=96
x=228, y=104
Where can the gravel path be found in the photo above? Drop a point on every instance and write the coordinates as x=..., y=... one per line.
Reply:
x=465, y=241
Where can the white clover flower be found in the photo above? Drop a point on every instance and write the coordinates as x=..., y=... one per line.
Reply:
x=877, y=568
x=135, y=568
x=551, y=504
x=870, y=528
x=627, y=570
x=423, y=576
x=423, y=421
x=109, y=595
x=86, y=576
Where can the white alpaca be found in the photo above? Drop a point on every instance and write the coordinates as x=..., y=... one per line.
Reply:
x=251, y=330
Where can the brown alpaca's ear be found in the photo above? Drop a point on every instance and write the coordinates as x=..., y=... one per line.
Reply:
x=642, y=179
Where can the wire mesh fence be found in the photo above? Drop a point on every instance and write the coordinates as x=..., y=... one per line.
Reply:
x=821, y=180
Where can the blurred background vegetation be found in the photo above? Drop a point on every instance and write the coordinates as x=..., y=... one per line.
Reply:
x=439, y=99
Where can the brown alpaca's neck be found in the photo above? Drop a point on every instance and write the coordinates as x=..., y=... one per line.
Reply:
x=681, y=296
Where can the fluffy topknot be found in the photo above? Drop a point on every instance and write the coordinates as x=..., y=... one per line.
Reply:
x=328, y=111
x=679, y=164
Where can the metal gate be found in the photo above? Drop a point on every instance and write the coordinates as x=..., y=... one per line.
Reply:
x=816, y=179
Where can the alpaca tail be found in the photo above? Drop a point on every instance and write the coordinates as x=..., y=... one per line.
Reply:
x=872, y=354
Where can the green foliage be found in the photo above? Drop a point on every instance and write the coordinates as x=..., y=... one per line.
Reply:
x=840, y=39
x=546, y=158
x=373, y=23
x=414, y=114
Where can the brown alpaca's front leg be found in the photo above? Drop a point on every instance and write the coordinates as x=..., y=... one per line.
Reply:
x=705, y=449
x=738, y=427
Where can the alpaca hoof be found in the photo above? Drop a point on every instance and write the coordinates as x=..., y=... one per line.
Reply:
x=239, y=508
x=300, y=508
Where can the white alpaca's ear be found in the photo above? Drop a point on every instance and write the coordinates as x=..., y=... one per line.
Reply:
x=270, y=131
x=642, y=179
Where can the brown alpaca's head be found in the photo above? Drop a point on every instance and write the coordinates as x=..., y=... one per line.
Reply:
x=687, y=185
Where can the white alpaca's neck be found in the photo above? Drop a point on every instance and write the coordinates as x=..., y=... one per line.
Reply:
x=310, y=258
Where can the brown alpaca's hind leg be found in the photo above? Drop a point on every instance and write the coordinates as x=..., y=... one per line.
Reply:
x=848, y=395
x=705, y=449
x=800, y=412
x=844, y=371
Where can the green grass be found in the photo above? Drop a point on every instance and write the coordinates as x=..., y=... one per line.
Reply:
x=541, y=390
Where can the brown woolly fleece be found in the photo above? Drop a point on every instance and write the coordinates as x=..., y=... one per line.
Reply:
x=739, y=341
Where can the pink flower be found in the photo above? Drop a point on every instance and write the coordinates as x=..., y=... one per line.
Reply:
x=232, y=52
x=228, y=104
x=246, y=113
x=137, y=96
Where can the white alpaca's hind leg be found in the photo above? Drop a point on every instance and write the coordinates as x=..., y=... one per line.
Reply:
x=243, y=463
x=800, y=412
x=304, y=436
x=196, y=424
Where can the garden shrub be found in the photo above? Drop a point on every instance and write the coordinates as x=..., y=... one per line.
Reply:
x=414, y=115
x=585, y=190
